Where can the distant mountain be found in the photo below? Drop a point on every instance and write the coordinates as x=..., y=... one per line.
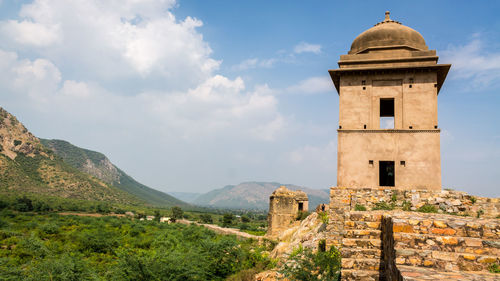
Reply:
x=255, y=195
x=188, y=197
x=28, y=167
x=99, y=166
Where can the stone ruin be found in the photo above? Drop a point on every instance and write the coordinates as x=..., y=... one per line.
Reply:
x=284, y=207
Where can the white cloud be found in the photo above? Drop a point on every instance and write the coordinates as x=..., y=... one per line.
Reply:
x=304, y=47
x=312, y=85
x=254, y=63
x=114, y=40
x=29, y=33
x=472, y=61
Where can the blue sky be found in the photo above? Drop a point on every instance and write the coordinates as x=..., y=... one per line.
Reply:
x=195, y=95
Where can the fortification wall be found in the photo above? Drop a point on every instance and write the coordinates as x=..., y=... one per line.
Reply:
x=399, y=245
x=445, y=201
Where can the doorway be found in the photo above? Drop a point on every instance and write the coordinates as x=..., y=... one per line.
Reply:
x=386, y=173
x=301, y=206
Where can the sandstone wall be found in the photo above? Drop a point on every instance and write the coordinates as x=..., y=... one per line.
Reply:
x=445, y=201
x=395, y=245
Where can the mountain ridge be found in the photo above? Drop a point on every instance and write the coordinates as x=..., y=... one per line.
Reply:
x=254, y=195
x=99, y=166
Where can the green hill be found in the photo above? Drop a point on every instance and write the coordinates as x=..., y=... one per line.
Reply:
x=27, y=167
x=99, y=166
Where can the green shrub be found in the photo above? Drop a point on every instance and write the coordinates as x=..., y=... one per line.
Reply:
x=17, y=142
x=206, y=218
x=383, y=206
x=427, y=208
x=406, y=206
x=307, y=266
x=359, y=207
x=324, y=217
x=301, y=215
x=473, y=200
x=394, y=196
x=494, y=268
x=479, y=213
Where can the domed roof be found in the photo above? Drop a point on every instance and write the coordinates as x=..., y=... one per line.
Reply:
x=386, y=34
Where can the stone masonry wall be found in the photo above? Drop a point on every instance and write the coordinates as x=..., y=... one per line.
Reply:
x=445, y=201
x=393, y=245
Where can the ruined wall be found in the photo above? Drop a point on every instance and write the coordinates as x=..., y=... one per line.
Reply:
x=283, y=209
x=394, y=245
x=445, y=201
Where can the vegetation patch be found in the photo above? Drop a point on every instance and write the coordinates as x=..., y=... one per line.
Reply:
x=494, y=268
x=428, y=208
x=304, y=264
x=54, y=247
x=383, y=206
x=359, y=207
x=301, y=215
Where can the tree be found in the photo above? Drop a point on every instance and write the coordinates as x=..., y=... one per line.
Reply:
x=206, y=218
x=227, y=219
x=177, y=212
x=245, y=219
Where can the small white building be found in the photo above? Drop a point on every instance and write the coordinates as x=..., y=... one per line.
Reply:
x=150, y=218
x=165, y=219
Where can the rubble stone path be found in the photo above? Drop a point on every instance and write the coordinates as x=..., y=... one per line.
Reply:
x=224, y=230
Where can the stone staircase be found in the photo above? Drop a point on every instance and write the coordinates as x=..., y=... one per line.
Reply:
x=362, y=247
x=404, y=245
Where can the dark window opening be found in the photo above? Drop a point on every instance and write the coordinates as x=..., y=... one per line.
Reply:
x=340, y=127
x=370, y=162
x=364, y=88
x=403, y=163
x=386, y=173
x=301, y=206
x=363, y=82
x=411, y=127
x=364, y=126
x=410, y=85
x=386, y=113
x=435, y=126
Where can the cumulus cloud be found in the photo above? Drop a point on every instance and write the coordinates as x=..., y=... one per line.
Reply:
x=304, y=47
x=114, y=39
x=473, y=61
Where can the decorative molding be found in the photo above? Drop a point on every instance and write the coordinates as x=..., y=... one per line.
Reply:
x=392, y=131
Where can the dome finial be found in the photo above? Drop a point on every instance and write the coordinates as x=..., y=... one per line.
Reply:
x=387, y=16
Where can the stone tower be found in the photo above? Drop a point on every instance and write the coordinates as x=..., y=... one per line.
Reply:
x=284, y=206
x=388, y=133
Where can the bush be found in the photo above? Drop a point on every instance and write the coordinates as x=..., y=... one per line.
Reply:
x=359, y=207
x=383, y=206
x=428, y=208
x=245, y=219
x=473, y=200
x=227, y=219
x=301, y=215
x=206, y=218
x=479, y=213
x=305, y=265
x=324, y=217
x=494, y=268
x=406, y=206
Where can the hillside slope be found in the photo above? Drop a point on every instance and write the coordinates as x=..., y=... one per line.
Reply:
x=27, y=167
x=99, y=166
x=254, y=195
